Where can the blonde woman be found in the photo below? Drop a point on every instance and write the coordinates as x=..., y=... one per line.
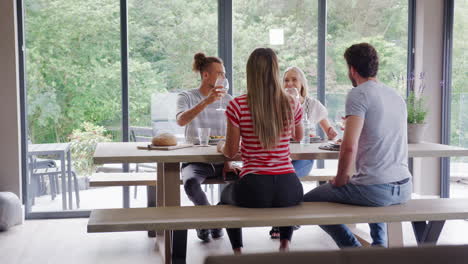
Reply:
x=262, y=122
x=314, y=111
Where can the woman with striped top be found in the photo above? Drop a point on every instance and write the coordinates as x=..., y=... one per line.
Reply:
x=262, y=122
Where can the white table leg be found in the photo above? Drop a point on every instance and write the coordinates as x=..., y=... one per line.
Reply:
x=160, y=190
x=395, y=234
x=168, y=194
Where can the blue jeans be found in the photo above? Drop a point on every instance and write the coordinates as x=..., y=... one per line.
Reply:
x=366, y=195
x=302, y=167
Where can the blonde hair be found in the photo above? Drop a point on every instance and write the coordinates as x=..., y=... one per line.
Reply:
x=269, y=104
x=302, y=78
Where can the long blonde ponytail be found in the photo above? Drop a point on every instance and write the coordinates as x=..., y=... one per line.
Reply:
x=269, y=105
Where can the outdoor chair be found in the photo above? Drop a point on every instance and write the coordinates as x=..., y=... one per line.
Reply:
x=142, y=134
x=40, y=168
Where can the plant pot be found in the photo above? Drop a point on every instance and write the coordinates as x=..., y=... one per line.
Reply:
x=416, y=132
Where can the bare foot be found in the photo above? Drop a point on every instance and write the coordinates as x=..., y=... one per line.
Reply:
x=237, y=251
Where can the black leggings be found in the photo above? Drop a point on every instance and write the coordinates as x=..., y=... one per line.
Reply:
x=262, y=191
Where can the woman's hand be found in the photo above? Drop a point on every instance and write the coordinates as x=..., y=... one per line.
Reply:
x=220, y=146
x=331, y=133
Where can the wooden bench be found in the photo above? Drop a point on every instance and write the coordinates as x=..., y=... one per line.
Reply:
x=149, y=178
x=453, y=254
x=178, y=219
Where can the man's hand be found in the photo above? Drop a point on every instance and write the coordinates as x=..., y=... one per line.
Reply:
x=215, y=94
x=339, y=181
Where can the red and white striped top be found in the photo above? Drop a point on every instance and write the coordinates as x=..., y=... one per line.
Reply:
x=255, y=158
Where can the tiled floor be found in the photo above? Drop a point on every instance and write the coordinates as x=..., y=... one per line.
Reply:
x=66, y=241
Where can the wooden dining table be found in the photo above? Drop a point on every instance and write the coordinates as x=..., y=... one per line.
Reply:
x=168, y=161
x=168, y=169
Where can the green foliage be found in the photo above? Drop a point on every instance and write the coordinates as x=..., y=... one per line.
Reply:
x=252, y=23
x=74, y=69
x=73, y=66
x=459, y=107
x=83, y=144
x=416, y=108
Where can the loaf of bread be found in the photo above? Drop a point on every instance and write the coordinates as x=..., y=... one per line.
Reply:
x=164, y=139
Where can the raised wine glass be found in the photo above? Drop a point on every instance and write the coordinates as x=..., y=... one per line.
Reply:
x=339, y=123
x=224, y=83
x=293, y=92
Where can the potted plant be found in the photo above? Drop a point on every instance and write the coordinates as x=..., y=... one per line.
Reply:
x=417, y=111
x=83, y=143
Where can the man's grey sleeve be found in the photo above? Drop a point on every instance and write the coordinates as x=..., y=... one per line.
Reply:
x=356, y=104
x=182, y=103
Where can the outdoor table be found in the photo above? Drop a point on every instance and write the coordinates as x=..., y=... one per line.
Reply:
x=62, y=151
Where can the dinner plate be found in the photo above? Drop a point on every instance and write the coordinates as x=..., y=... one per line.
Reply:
x=312, y=140
x=331, y=147
x=213, y=141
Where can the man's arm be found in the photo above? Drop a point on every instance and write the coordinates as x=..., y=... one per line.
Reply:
x=348, y=150
x=183, y=118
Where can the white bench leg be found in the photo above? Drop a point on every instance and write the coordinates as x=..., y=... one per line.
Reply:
x=395, y=234
x=362, y=236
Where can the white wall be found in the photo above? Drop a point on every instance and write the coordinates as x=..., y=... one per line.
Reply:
x=428, y=59
x=10, y=161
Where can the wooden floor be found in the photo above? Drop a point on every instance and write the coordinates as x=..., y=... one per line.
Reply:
x=66, y=241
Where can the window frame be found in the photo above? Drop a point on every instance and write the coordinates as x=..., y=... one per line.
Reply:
x=225, y=48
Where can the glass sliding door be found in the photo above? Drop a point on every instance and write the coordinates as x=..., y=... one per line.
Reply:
x=73, y=84
x=288, y=27
x=383, y=24
x=163, y=39
x=459, y=104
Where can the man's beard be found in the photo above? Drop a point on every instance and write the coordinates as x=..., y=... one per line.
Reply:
x=353, y=81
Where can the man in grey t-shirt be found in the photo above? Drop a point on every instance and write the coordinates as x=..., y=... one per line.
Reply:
x=209, y=117
x=374, y=142
x=196, y=108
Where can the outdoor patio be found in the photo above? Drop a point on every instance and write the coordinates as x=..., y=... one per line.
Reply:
x=112, y=197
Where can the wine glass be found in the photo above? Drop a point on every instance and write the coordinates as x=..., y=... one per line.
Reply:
x=221, y=81
x=340, y=123
x=294, y=93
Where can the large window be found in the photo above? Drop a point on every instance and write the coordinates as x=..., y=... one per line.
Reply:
x=73, y=91
x=459, y=107
x=383, y=24
x=74, y=61
x=163, y=38
x=288, y=27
